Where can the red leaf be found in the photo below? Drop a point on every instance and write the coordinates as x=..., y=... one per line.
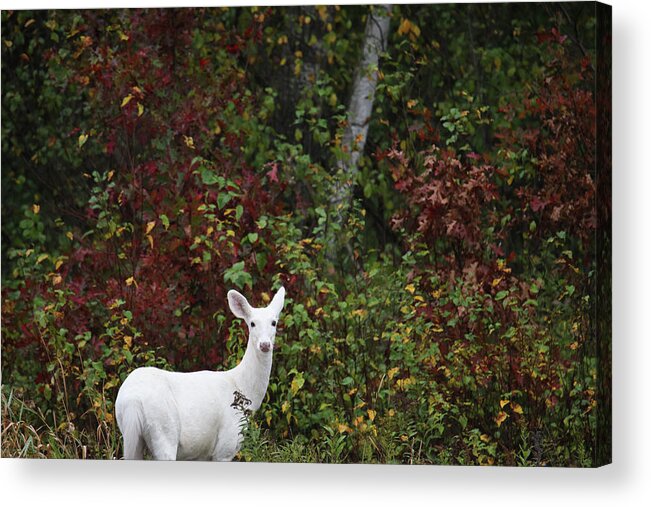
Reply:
x=537, y=204
x=273, y=174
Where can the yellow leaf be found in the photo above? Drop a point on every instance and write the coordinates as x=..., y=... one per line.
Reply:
x=110, y=175
x=297, y=383
x=392, y=372
x=411, y=103
x=419, y=298
x=36, y=208
x=131, y=281
x=371, y=414
x=189, y=142
x=415, y=30
x=501, y=417
x=284, y=407
x=56, y=280
x=127, y=340
x=484, y=438
x=405, y=27
x=151, y=241
x=150, y=226
x=496, y=281
x=69, y=235
x=126, y=100
x=410, y=288
x=141, y=109
x=58, y=264
x=82, y=139
x=503, y=403
x=516, y=408
x=41, y=258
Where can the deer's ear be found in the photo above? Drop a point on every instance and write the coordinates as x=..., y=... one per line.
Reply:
x=278, y=301
x=239, y=305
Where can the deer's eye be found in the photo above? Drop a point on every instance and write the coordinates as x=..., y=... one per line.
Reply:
x=273, y=323
x=252, y=324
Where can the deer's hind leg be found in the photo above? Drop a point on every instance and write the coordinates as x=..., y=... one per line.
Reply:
x=161, y=444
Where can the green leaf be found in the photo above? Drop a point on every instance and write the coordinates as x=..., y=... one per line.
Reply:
x=165, y=221
x=501, y=295
x=222, y=200
x=238, y=276
x=209, y=177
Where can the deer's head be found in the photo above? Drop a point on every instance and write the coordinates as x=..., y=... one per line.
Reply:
x=262, y=322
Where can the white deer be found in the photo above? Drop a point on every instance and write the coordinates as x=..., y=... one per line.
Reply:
x=199, y=415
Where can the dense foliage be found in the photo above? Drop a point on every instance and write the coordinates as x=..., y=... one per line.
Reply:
x=154, y=159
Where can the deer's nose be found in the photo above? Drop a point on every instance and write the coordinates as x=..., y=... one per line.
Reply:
x=265, y=346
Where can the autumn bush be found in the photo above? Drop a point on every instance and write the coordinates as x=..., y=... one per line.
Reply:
x=446, y=319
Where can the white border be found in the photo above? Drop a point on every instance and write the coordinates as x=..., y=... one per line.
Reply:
x=626, y=482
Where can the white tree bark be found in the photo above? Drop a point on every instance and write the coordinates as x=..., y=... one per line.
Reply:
x=360, y=107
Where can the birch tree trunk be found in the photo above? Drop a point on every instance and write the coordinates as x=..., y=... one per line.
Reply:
x=360, y=108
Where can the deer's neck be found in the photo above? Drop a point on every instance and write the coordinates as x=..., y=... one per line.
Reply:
x=252, y=374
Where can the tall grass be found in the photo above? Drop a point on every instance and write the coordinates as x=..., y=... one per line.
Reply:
x=28, y=433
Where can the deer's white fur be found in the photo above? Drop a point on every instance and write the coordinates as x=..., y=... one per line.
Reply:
x=195, y=416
